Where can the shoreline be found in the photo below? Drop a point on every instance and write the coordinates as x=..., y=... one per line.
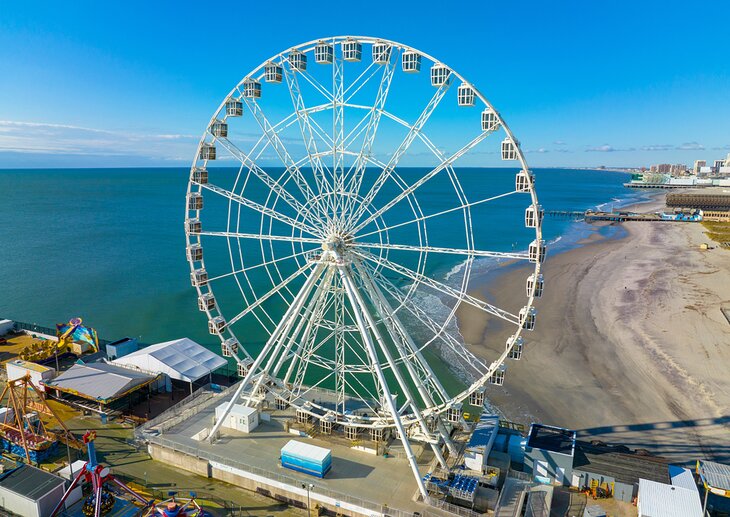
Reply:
x=627, y=347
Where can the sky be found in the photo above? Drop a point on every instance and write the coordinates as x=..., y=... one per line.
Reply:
x=622, y=83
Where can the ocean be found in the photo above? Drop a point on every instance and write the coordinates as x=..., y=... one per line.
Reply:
x=108, y=245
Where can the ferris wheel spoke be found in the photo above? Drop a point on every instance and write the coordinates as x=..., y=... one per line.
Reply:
x=270, y=182
x=316, y=84
x=281, y=151
x=437, y=214
x=305, y=127
x=372, y=128
x=258, y=236
x=260, y=208
x=402, y=148
x=440, y=287
x=439, y=331
x=338, y=121
x=449, y=251
x=258, y=266
x=446, y=163
x=268, y=295
x=360, y=81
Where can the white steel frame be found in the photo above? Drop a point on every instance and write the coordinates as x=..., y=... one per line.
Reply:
x=341, y=290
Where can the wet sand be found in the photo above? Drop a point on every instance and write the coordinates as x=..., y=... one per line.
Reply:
x=630, y=344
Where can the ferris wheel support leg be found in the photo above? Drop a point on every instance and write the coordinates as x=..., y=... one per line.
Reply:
x=321, y=290
x=307, y=343
x=289, y=319
x=272, y=341
x=357, y=307
x=390, y=320
x=433, y=378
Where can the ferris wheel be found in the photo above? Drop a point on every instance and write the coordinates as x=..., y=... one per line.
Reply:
x=340, y=239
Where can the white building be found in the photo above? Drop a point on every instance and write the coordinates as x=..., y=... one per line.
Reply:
x=30, y=492
x=661, y=500
x=698, y=165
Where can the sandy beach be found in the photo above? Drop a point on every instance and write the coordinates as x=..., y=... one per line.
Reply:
x=630, y=346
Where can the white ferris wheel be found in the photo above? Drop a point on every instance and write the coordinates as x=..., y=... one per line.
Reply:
x=325, y=254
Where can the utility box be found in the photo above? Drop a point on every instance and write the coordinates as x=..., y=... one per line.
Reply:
x=241, y=418
x=307, y=458
x=17, y=369
x=121, y=347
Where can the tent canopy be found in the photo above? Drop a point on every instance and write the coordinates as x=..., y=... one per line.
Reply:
x=181, y=359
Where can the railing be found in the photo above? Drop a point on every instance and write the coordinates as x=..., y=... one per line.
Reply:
x=32, y=327
x=183, y=410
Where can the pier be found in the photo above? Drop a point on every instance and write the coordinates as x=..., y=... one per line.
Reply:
x=622, y=217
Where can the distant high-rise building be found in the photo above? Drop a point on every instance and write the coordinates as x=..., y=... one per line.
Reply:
x=653, y=168
x=698, y=165
x=678, y=169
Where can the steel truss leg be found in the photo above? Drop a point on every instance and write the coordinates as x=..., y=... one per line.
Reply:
x=359, y=310
x=396, y=328
x=319, y=294
x=272, y=341
x=401, y=382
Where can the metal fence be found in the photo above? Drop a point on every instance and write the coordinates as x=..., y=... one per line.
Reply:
x=183, y=410
x=32, y=327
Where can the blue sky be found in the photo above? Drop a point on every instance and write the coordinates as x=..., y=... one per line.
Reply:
x=580, y=83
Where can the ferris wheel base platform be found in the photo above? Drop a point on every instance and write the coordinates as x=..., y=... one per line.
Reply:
x=254, y=461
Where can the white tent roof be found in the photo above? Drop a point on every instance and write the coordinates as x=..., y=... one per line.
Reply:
x=181, y=359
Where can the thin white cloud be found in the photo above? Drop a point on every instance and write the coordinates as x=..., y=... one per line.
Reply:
x=691, y=146
x=606, y=148
x=43, y=139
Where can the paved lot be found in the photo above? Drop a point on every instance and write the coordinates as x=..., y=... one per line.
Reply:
x=373, y=478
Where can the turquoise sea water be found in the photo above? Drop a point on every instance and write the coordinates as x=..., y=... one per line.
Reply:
x=108, y=244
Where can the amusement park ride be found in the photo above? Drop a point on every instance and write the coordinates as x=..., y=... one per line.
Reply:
x=333, y=254
x=101, y=499
x=66, y=335
x=22, y=428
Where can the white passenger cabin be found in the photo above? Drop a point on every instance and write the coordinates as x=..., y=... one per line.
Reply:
x=219, y=129
x=411, y=62
x=490, y=120
x=234, y=108
x=527, y=318
x=323, y=53
x=465, y=95
x=381, y=52
x=272, y=72
x=297, y=61
x=351, y=50
x=439, y=74
x=535, y=285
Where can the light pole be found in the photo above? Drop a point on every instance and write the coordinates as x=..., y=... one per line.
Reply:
x=308, y=488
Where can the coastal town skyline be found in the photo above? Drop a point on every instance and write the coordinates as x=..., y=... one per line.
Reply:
x=92, y=94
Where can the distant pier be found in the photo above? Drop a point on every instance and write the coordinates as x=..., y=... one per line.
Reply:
x=621, y=217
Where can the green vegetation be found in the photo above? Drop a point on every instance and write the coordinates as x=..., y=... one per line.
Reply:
x=717, y=231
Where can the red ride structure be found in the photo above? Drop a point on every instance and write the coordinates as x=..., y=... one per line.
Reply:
x=101, y=500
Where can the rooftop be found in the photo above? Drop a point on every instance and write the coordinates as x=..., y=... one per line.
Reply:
x=99, y=381
x=29, y=481
x=715, y=475
x=553, y=439
x=620, y=463
x=659, y=499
